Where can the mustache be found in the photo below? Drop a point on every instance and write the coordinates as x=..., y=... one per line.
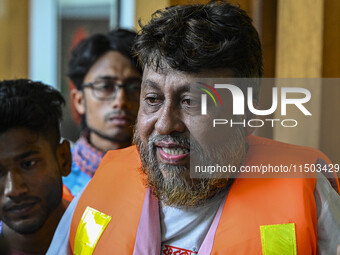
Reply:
x=177, y=138
x=175, y=189
x=119, y=113
x=17, y=201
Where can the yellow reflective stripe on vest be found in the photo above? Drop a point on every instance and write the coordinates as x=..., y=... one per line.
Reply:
x=278, y=239
x=90, y=228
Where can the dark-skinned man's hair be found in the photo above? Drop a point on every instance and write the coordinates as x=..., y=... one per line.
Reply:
x=32, y=105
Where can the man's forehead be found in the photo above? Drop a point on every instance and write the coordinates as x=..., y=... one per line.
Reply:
x=158, y=77
x=151, y=74
x=112, y=64
x=19, y=140
x=152, y=70
x=172, y=81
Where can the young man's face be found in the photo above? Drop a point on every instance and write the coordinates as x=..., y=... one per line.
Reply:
x=171, y=131
x=111, y=118
x=30, y=178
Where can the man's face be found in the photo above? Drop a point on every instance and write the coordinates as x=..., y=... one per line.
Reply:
x=30, y=179
x=171, y=132
x=112, y=119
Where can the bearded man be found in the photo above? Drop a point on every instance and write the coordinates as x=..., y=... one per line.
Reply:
x=144, y=200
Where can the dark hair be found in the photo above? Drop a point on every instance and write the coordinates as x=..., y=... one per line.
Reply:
x=32, y=105
x=89, y=50
x=192, y=38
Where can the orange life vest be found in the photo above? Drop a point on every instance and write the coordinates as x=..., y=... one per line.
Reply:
x=254, y=213
x=67, y=195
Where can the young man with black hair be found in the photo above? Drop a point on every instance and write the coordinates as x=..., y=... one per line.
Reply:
x=144, y=196
x=32, y=163
x=107, y=80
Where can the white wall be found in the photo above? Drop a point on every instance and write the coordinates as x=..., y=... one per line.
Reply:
x=43, y=44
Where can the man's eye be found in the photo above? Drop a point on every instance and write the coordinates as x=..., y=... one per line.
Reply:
x=153, y=101
x=28, y=164
x=133, y=87
x=105, y=87
x=187, y=101
x=2, y=172
x=190, y=102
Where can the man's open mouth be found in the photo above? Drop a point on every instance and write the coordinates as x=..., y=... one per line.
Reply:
x=175, y=151
x=172, y=153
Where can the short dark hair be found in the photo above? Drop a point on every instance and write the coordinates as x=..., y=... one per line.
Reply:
x=192, y=38
x=89, y=50
x=33, y=105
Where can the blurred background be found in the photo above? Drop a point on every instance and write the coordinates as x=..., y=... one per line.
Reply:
x=300, y=38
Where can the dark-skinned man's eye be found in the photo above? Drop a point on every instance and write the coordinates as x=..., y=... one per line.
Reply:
x=29, y=164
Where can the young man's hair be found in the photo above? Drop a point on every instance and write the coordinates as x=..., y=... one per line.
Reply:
x=32, y=105
x=193, y=38
x=89, y=50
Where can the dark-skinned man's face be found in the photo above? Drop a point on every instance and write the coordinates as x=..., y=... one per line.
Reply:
x=30, y=178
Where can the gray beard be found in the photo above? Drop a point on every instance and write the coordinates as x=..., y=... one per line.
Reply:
x=176, y=189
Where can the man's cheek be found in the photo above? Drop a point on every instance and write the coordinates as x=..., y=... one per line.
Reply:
x=144, y=130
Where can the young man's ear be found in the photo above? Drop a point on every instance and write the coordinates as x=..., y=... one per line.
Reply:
x=77, y=98
x=64, y=157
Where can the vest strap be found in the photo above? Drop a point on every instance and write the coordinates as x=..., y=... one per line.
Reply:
x=90, y=228
x=278, y=239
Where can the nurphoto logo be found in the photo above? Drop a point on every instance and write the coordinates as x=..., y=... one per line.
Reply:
x=239, y=106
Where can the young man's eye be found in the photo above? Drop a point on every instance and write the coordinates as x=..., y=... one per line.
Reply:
x=29, y=164
x=106, y=87
x=133, y=87
x=2, y=172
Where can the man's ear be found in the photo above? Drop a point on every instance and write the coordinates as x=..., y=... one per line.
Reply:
x=64, y=157
x=78, y=100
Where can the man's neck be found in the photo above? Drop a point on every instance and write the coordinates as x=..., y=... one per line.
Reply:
x=39, y=241
x=104, y=144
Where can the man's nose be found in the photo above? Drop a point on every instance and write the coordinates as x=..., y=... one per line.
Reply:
x=169, y=120
x=15, y=185
x=121, y=99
